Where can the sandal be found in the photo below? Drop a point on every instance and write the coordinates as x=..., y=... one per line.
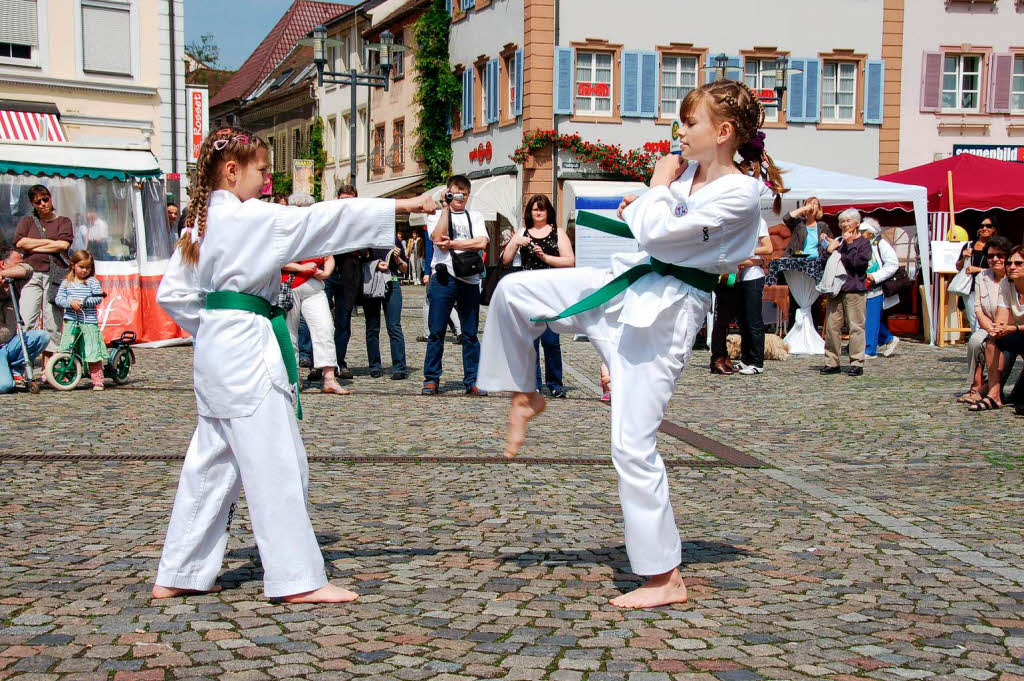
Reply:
x=984, y=404
x=969, y=397
x=332, y=387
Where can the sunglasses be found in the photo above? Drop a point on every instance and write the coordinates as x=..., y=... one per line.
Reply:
x=1015, y=263
x=985, y=226
x=41, y=199
x=997, y=256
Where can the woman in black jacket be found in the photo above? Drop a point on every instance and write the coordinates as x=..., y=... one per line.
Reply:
x=803, y=222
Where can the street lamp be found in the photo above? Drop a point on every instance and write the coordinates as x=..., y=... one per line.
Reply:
x=352, y=78
x=780, y=68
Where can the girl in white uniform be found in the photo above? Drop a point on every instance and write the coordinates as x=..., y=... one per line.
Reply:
x=219, y=287
x=697, y=220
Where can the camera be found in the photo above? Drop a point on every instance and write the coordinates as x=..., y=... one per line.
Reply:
x=449, y=197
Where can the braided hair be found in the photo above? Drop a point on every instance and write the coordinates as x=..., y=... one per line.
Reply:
x=219, y=147
x=733, y=101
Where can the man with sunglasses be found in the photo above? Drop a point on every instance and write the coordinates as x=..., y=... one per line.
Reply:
x=40, y=236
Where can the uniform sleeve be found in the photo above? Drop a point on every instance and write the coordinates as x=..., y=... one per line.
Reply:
x=328, y=227
x=97, y=293
x=179, y=293
x=729, y=218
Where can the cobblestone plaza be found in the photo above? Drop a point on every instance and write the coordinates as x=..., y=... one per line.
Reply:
x=881, y=538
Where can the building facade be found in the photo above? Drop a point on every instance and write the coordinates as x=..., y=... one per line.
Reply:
x=110, y=72
x=394, y=168
x=963, y=80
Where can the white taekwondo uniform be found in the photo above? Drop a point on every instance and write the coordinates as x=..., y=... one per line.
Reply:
x=645, y=336
x=247, y=433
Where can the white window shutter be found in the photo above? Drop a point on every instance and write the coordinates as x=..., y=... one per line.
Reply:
x=106, y=39
x=19, y=22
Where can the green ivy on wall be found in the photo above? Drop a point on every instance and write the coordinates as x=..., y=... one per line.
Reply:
x=438, y=90
x=316, y=152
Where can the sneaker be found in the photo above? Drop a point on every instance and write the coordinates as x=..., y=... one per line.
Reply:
x=830, y=370
x=429, y=388
x=421, y=339
x=315, y=375
x=558, y=393
x=345, y=374
x=606, y=396
x=750, y=370
x=476, y=392
x=399, y=376
x=856, y=371
x=98, y=386
x=889, y=347
x=872, y=356
x=376, y=373
x=19, y=380
x=305, y=363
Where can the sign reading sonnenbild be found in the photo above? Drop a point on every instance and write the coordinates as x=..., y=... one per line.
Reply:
x=198, y=120
x=1000, y=152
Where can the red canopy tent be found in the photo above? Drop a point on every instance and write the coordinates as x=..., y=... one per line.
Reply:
x=979, y=183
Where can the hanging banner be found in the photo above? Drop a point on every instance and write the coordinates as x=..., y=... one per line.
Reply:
x=198, y=120
x=302, y=176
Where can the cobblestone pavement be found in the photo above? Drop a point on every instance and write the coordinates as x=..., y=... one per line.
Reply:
x=883, y=539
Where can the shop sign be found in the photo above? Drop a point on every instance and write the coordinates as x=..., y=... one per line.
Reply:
x=1000, y=152
x=483, y=152
x=593, y=89
x=198, y=115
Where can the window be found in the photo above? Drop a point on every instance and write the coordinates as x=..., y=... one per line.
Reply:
x=1017, y=89
x=106, y=37
x=961, y=82
x=398, y=144
x=19, y=29
x=759, y=74
x=398, y=58
x=839, y=92
x=594, y=83
x=509, y=63
x=378, y=148
x=481, y=84
x=344, y=135
x=678, y=77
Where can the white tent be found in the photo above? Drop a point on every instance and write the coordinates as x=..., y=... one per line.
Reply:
x=834, y=188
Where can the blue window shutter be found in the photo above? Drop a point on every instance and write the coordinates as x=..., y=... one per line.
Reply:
x=795, y=91
x=630, y=83
x=448, y=7
x=467, y=99
x=564, y=79
x=517, y=106
x=812, y=91
x=649, y=84
x=467, y=4
x=472, y=97
x=493, y=105
x=874, y=91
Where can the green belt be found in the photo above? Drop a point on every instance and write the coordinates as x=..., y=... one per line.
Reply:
x=246, y=302
x=700, y=279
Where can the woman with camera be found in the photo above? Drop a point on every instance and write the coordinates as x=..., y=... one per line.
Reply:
x=540, y=246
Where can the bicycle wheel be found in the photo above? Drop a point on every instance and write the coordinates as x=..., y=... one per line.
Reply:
x=120, y=365
x=64, y=371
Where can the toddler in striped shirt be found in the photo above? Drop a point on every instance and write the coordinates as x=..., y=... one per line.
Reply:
x=80, y=293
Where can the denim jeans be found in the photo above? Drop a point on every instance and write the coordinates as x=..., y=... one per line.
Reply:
x=465, y=298
x=342, y=331
x=12, y=358
x=552, y=359
x=305, y=341
x=392, y=304
x=876, y=333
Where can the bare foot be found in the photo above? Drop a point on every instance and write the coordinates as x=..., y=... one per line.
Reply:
x=524, y=408
x=171, y=592
x=332, y=386
x=325, y=594
x=662, y=589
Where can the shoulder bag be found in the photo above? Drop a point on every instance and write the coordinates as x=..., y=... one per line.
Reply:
x=962, y=283
x=466, y=263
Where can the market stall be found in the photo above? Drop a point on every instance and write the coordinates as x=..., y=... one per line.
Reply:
x=116, y=203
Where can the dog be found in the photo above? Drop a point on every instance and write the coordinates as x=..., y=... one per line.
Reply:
x=774, y=347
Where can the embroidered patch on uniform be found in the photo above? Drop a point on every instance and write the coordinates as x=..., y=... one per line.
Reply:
x=680, y=209
x=706, y=234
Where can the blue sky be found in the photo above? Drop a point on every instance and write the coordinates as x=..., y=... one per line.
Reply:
x=238, y=26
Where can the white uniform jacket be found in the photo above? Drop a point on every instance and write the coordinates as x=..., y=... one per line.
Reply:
x=714, y=230
x=237, y=358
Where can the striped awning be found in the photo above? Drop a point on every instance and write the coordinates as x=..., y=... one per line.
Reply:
x=30, y=126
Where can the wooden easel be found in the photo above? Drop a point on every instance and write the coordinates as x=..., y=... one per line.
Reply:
x=944, y=280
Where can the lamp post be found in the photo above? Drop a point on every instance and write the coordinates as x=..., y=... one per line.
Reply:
x=386, y=48
x=780, y=68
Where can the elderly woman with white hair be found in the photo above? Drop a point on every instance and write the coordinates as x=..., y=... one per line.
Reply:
x=850, y=304
x=883, y=265
x=306, y=281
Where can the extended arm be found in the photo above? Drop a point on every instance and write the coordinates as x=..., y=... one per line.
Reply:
x=179, y=294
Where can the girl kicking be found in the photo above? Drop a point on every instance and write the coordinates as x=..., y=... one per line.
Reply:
x=220, y=286
x=697, y=220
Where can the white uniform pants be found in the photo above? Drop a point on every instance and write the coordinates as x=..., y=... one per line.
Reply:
x=263, y=453
x=311, y=303
x=644, y=364
x=33, y=305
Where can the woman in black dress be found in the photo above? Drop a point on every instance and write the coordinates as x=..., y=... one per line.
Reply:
x=542, y=245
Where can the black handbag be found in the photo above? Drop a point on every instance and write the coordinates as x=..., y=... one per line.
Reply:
x=897, y=282
x=466, y=263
